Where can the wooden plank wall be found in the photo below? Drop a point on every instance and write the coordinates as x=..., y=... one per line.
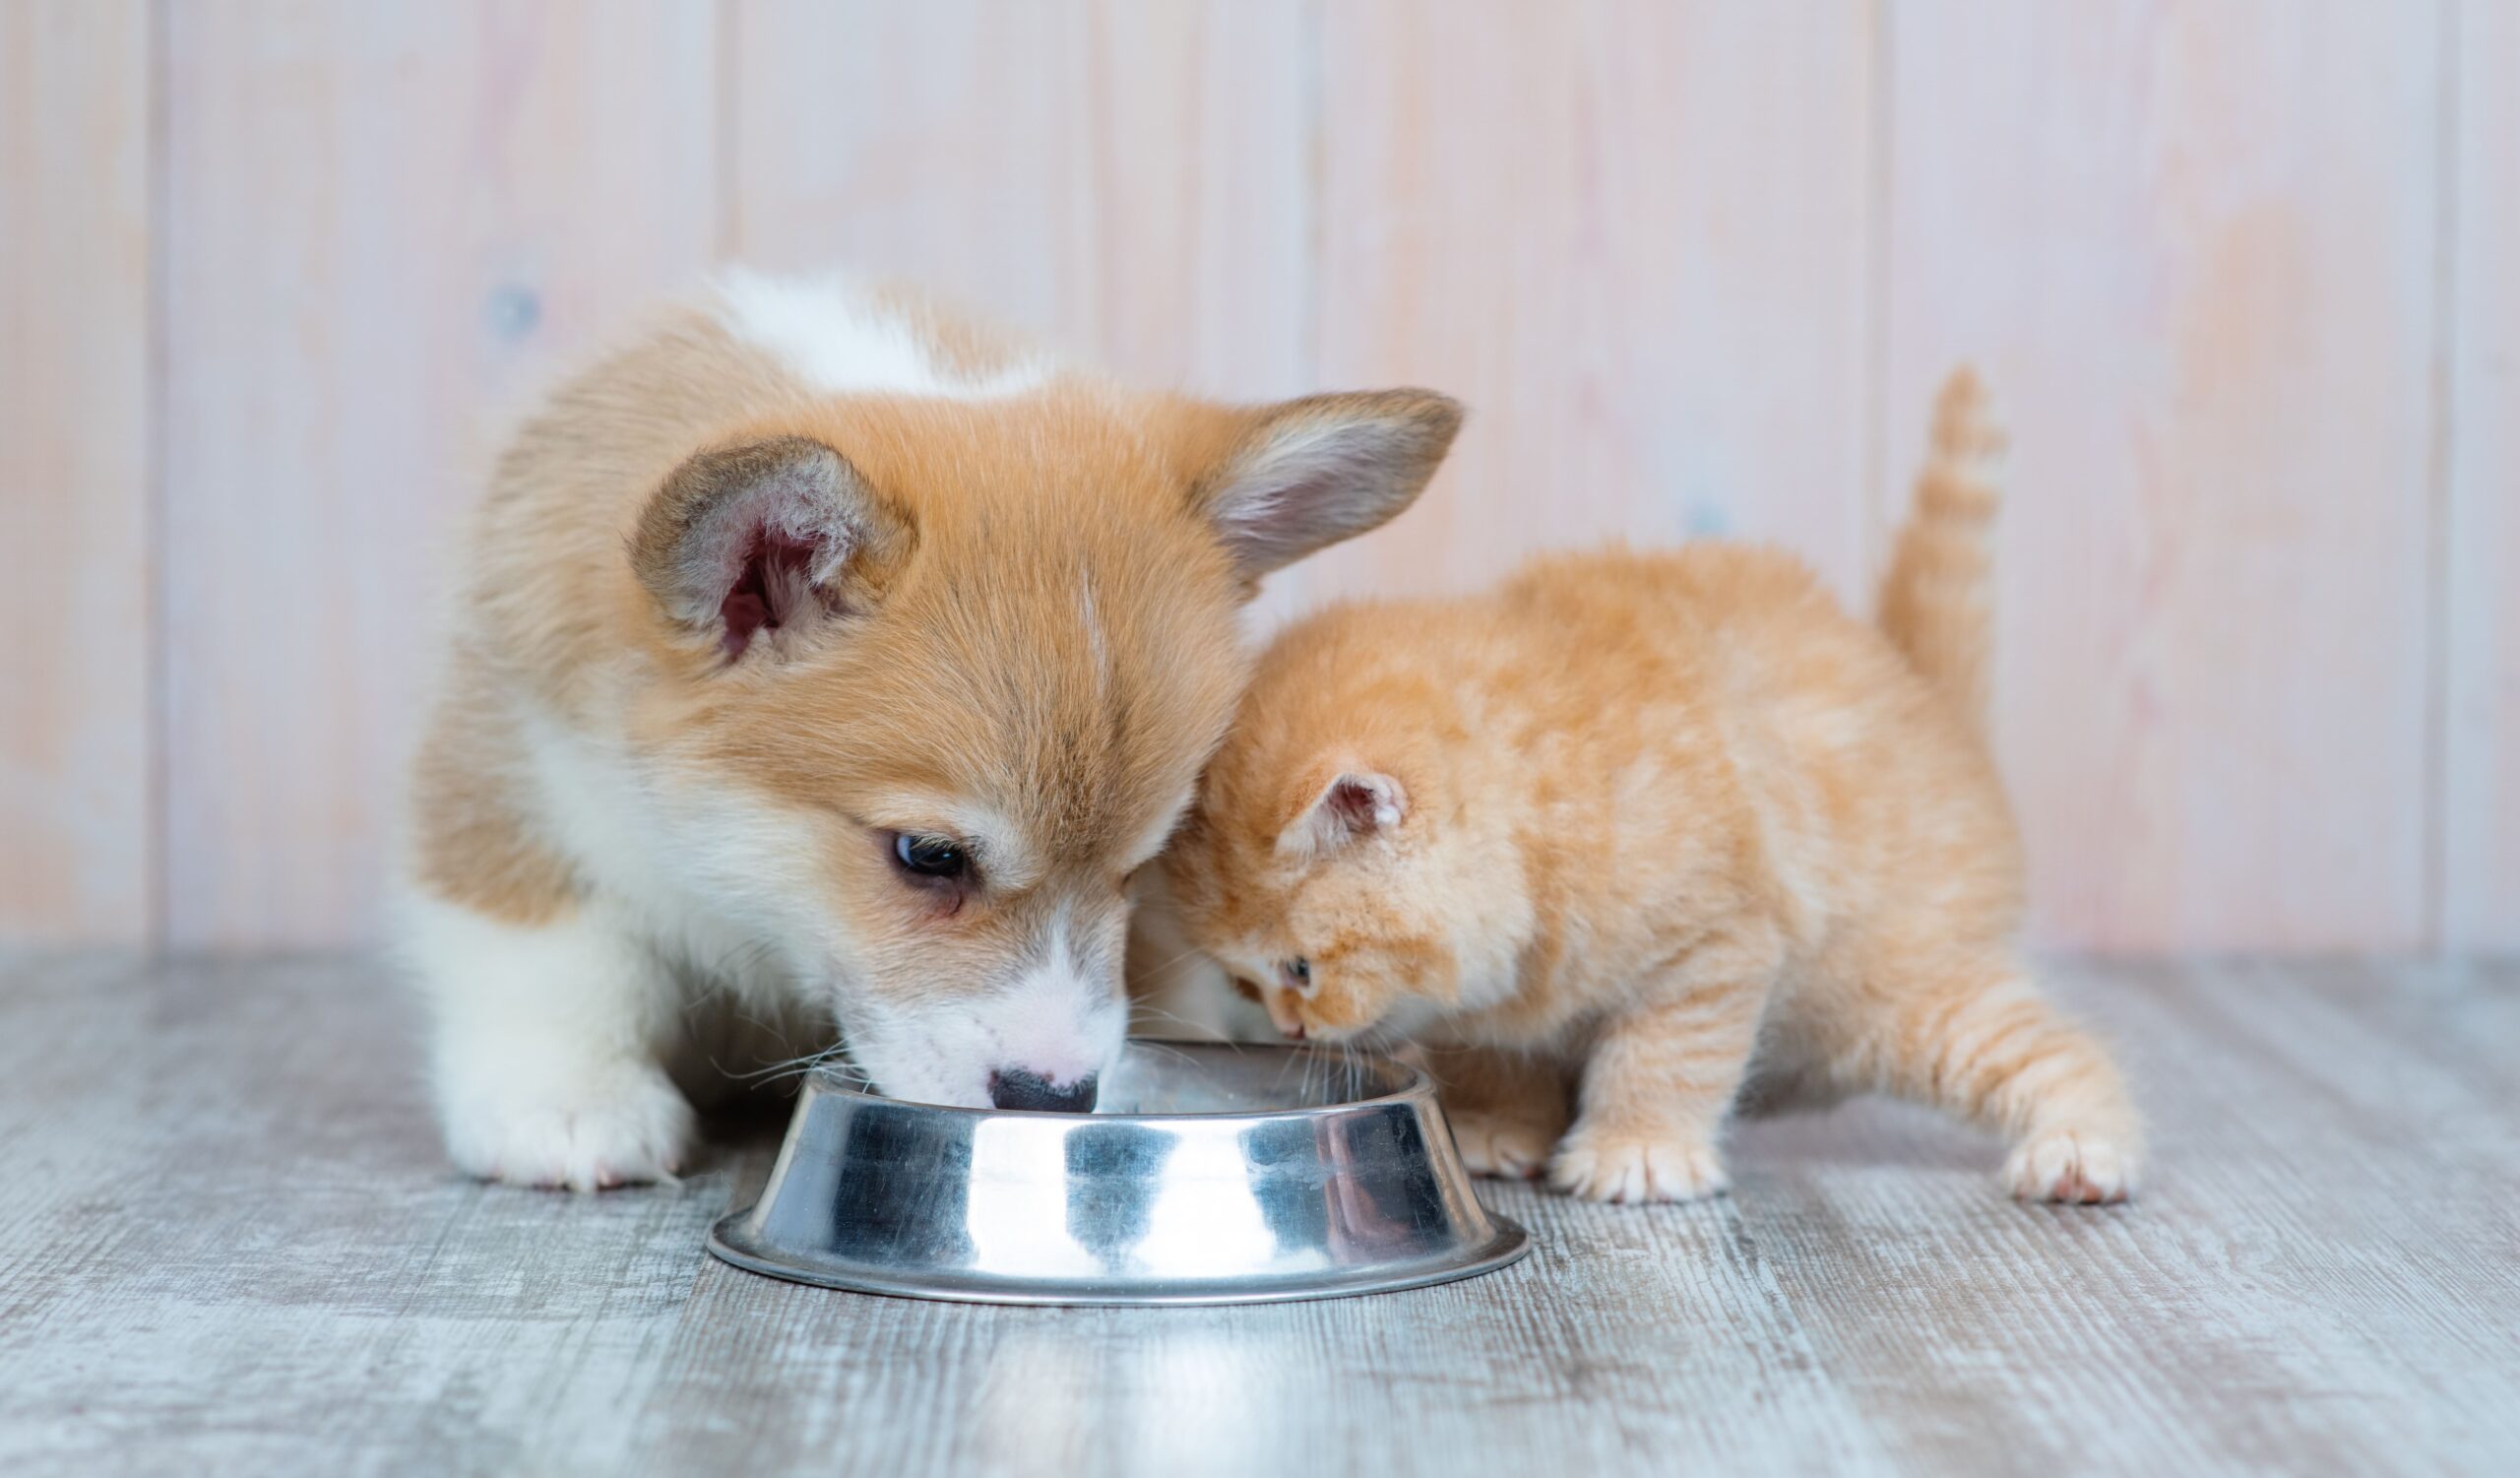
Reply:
x=2479, y=524
x=2245, y=276
x=376, y=216
x=1549, y=210
x=2186, y=245
x=76, y=563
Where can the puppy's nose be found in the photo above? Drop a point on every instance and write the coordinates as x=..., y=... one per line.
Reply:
x=1021, y=1088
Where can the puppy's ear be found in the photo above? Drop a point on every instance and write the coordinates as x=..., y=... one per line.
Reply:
x=1295, y=477
x=1355, y=804
x=757, y=542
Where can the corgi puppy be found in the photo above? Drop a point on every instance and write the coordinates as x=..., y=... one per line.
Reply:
x=825, y=662
x=1637, y=838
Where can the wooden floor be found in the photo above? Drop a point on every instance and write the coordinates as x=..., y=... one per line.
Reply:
x=228, y=1243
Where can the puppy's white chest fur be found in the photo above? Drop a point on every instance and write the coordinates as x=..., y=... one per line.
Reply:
x=670, y=874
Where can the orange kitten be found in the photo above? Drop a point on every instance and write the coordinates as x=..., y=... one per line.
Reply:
x=1671, y=828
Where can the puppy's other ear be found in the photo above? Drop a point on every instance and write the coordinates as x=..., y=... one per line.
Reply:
x=1309, y=473
x=1356, y=804
x=763, y=540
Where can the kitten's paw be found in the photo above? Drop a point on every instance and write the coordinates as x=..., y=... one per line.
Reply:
x=622, y=1127
x=2067, y=1165
x=1500, y=1146
x=1635, y=1171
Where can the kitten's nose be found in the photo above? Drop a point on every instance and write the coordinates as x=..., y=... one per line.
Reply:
x=1023, y=1089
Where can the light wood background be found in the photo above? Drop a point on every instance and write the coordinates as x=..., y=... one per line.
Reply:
x=2245, y=277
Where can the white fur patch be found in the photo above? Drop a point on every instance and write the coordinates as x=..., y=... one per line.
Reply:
x=834, y=335
x=1063, y=1018
x=549, y=1040
x=1089, y=615
x=683, y=861
x=1159, y=831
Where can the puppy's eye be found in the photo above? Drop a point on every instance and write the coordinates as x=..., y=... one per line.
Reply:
x=938, y=858
x=1298, y=973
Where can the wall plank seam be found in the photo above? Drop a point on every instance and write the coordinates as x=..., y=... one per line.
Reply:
x=2438, y=493
x=1311, y=55
x=157, y=740
x=1879, y=203
x=726, y=31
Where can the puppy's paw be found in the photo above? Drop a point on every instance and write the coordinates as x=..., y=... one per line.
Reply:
x=2069, y=1165
x=1501, y=1145
x=624, y=1126
x=1633, y=1171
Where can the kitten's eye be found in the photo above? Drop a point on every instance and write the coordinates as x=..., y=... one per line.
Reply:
x=1298, y=973
x=937, y=858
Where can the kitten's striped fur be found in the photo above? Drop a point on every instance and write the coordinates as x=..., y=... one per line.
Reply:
x=1637, y=838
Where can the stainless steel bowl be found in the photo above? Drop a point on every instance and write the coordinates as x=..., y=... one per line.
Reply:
x=1212, y=1174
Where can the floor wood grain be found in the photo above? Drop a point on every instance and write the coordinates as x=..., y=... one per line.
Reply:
x=228, y=1243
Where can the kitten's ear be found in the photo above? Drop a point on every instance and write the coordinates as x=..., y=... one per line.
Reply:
x=1295, y=477
x=1356, y=804
x=757, y=542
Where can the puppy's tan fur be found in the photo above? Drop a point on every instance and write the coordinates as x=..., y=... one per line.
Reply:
x=1652, y=829
x=804, y=572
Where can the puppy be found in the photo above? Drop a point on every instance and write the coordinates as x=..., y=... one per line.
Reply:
x=827, y=662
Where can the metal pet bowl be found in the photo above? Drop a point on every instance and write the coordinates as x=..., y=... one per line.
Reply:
x=1212, y=1174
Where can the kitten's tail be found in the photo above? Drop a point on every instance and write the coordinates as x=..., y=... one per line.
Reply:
x=1936, y=603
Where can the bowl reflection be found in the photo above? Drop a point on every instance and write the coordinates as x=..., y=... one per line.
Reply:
x=1212, y=1174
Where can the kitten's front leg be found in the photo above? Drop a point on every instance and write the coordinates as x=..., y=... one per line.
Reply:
x=1507, y=1109
x=548, y=1048
x=1657, y=1087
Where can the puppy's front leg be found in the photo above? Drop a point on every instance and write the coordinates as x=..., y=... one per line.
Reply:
x=548, y=1045
x=1659, y=1081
